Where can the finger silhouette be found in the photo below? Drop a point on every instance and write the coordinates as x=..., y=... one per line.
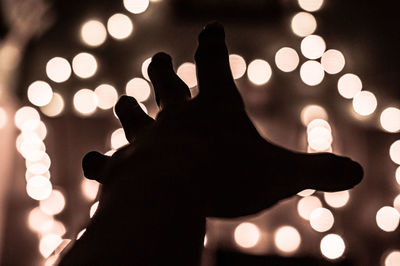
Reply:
x=169, y=89
x=94, y=166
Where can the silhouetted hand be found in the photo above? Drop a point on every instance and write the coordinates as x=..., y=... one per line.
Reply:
x=199, y=158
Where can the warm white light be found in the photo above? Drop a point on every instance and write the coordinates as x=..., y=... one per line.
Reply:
x=306, y=192
x=310, y=5
x=319, y=138
x=393, y=258
x=349, y=85
x=394, y=151
x=90, y=188
x=136, y=6
x=119, y=26
x=238, y=65
x=205, y=240
x=259, y=71
x=55, y=107
x=287, y=59
x=321, y=219
x=287, y=239
x=332, y=61
x=54, y=204
x=364, y=103
x=107, y=96
x=3, y=118
x=80, y=233
x=337, y=199
x=39, y=187
x=25, y=116
x=311, y=112
x=51, y=261
x=58, y=69
x=398, y=175
x=313, y=46
x=38, y=221
x=145, y=66
x=84, y=65
x=390, y=119
x=318, y=123
x=303, y=24
x=387, y=218
x=118, y=139
x=93, y=33
x=93, y=209
x=246, y=235
x=312, y=73
x=187, y=72
x=332, y=246
x=396, y=203
x=32, y=149
x=40, y=93
x=138, y=88
x=29, y=175
x=85, y=101
x=306, y=205
x=44, y=161
x=48, y=244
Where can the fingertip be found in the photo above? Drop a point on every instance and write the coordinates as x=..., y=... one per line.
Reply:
x=93, y=164
x=212, y=31
x=125, y=104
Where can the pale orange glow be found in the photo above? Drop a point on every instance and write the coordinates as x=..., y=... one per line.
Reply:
x=144, y=108
x=55, y=107
x=349, y=85
x=118, y=139
x=145, y=66
x=398, y=175
x=247, y=235
x=29, y=175
x=84, y=65
x=3, y=118
x=57, y=228
x=332, y=246
x=312, y=73
x=48, y=244
x=119, y=26
x=303, y=24
x=396, y=203
x=394, y=152
x=238, y=65
x=287, y=59
x=58, y=69
x=138, y=88
x=318, y=123
x=80, y=233
x=319, y=138
x=337, y=199
x=313, y=46
x=90, y=188
x=259, y=72
x=187, y=72
x=387, y=218
x=321, y=219
x=390, y=119
x=51, y=261
x=39, y=187
x=306, y=205
x=332, y=61
x=136, y=6
x=364, y=103
x=107, y=96
x=93, y=209
x=205, y=241
x=44, y=160
x=393, y=258
x=311, y=112
x=24, y=116
x=306, y=192
x=32, y=149
x=54, y=204
x=310, y=5
x=85, y=102
x=93, y=33
x=40, y=130
x=287, y=239
x=38, y=221
x=40, y=93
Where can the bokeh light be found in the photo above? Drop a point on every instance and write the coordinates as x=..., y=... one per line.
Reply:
x=51, y=261
x=107, y=96
x=3, y=118
x=390, y=119
x=80, y=233
x=303, y=24
x=287, y=59
x=319, y=138
x=187, y=72
x=364, y=103
x=138, y=88
x=24, y=117
x=312, y=73
x=394, y=151
x=318, y=123
x=39, y=187
x=259, y=72
x=306, y=205
x=387, y=218
x=84, y=65
x=85, y=101
x=321, y=219
x=58, y=69
x=93, y=33
x=119, y=26
x=313, y=46
x=90, y=188
x=310, y=5
x=393, y=258
x=29, y=175
x=144, y=68
x=56, y=228
x=332, y=246
x=306, y=192
x=38, y=221
x=349, y=85
x=40, y=93
x=136, y=6
x=93, y=209
x=247, y=235
x=54, y=107
x=287, y=239
x=118, y=139
x=333, y=61
x=311, y=112
x=32, y=148
x=54, y=204
x=337, y=199
x=48, y=244
x=397, y=175
x=396, y=203
x=44, y=161
x=238, y=65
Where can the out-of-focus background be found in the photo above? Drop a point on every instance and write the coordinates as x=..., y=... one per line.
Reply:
x=316, y=75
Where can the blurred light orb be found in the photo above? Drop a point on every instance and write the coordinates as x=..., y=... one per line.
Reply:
x=40, y=130
x=287, y=59
x=32, y=149
x=287, y=239
x=396, y=203
x=39, y=187
x=85, y=102
x=187, y=72
x=259, y=72
x=393, y=258
x=51, y=261
x=205, y=240
x=306, y=192
x=246, y=235
x=107, y=96
x=390, y=119
x=313, y=46
x=319, y=138
x=303, y=24
x=144, y=68
x=118, y=139
x=57, y=228
x=80, y=233
x=24, y=116
x=394, y=151
x=54, y=204
x=332, y=246
x=364, y=103
x=321, y=219
x=54, y=107
x=332, y=61
x=238, y=65
x=38, y=168
x=90, y=188
x=84, y=65
x=310, y=5
x=136, y=6
x=58, y=69
x=38, y=221
x=337, y=199
x=349, y=85
x=387, y=218
x=306, y=205
x=312, y=112
x=93, y=33
x=45, y=160
x=29, y=175
x=40, y=93
x=312, y=73
x=398, y=175
x=318, y=123
x=139, y=89
x=3, y=118
x=93, y=209
x=48, y=244
x=119, y=26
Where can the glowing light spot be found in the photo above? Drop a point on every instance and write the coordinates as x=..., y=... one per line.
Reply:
x=56, y=228
x=39, y=167
x=306, y=205
x=118, y=139
x=58, y=69
x=145, y=66
x=287, y=239
x=310, y=5
x=85, y=101
x=110, y=152
x=51, y=260
x=32, y=149
x=332, y=246
x=55, y=107
x=39, y=187
x=319, y=138
x=318, y=123
x=205, y=240
x=107, y=96
x=144, y=108
x=313, y=46
x=394, y=151
x=93, y=209
x=29, y=175
x=84, y=65
x=54, y=204
x=139, y=89
x=25, y=116
x=390, y=119
x=80, y=233
x=303, y=24
x=136, y=6
x=64, y=243
x=398, y=175
x=349, y=85
x=238, y=65
x=93, y=33
x=40, y=93
x=321, y=219
x=287, y=59
x=187, y=72
x=312, y=73
x=393, y=258
x=311, y=112
x=246, y=235
x=3, y=118
x=387, y=218
x=337, y=199
x=119, y=26
x=396, y=203
x=332, y=61
x=259, y=71
x=48, y=244
x=364, y=103
x=38, y=221
x=306, y=192
x=90, y=188
x=40, y=130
